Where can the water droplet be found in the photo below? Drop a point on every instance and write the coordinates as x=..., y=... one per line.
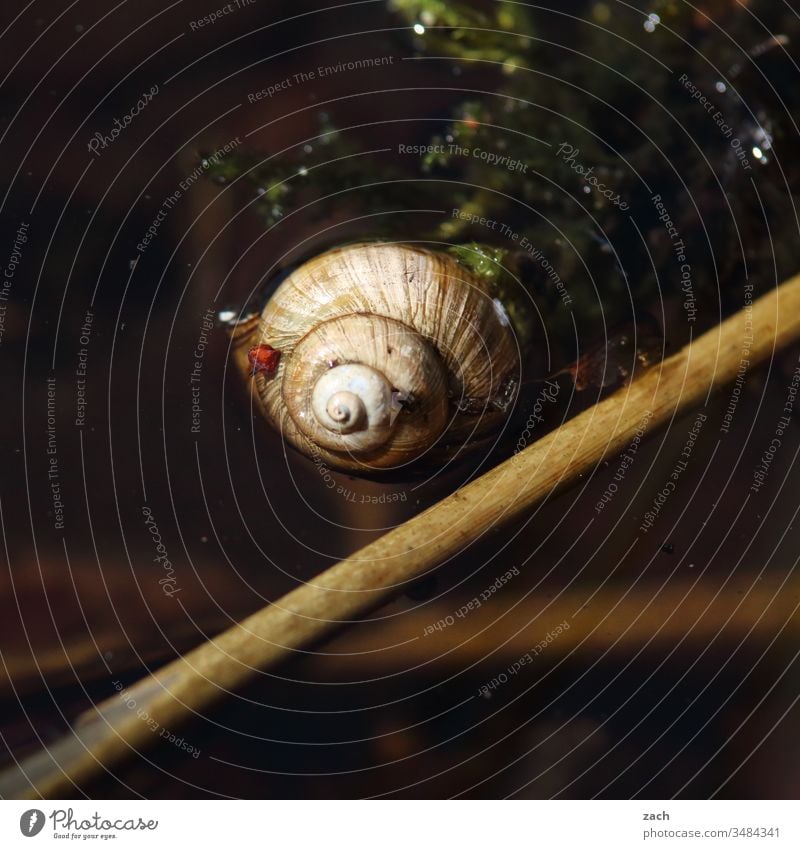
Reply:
x=653, y=20
x=419, y=29
x=764, y=139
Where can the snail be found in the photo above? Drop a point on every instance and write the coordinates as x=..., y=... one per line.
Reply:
x=372, y=356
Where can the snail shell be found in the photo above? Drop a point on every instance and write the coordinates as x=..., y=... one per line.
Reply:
x=388, y=353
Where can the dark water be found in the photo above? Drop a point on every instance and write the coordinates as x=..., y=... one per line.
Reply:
x=121, y=253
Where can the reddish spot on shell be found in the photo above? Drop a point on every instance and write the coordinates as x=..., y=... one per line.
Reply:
x=264, y=359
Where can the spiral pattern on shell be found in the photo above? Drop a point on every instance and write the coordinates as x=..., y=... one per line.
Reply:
x=389, y=352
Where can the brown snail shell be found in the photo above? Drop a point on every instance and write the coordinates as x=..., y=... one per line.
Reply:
x=388, y=353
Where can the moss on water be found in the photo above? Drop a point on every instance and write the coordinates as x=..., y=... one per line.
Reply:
x=620, y=144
